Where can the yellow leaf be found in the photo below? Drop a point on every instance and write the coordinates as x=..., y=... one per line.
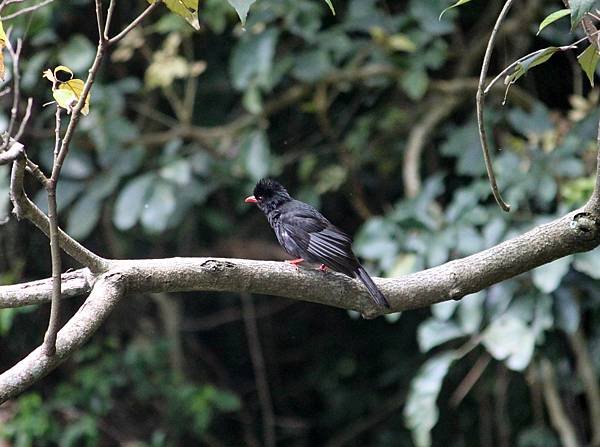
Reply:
x=68, y=93
x=188, y=9
x=65, y=89
x=63, y=69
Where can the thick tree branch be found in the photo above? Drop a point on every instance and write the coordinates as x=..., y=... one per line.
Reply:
x=105, y=295
x=577, y=231
x=78, y=282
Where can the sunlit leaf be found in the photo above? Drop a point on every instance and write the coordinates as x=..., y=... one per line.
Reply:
x=458, y=3
x=421, y=412
x=579, y=8
x=551, y=18
x=241, y=7
x=68, y=93
x=131, y=201
x=547, y=278
x=159, y=207
x=83, y=217
x=589, y=61
x=567, y=309
x=330, y=4
x=188, y=9
x=433, y=332
x=508, y=338
x=588, y=263
x=65, y=89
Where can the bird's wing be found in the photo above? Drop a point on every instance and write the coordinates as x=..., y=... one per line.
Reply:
x=323, y=242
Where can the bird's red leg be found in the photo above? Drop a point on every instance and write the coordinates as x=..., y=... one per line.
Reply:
x=295, y=262
x=323, y=267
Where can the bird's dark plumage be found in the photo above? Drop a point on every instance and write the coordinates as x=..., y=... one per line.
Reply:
x=305, y=233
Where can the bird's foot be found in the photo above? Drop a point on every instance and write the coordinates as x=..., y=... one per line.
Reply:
x=323, y=267
x=294, y=262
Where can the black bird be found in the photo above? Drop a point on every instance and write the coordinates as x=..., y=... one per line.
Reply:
x=307, y=235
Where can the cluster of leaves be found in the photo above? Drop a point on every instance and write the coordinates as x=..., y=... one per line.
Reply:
x=105, y=376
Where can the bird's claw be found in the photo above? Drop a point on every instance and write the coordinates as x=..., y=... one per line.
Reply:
x=294, y=262
x=323, y=267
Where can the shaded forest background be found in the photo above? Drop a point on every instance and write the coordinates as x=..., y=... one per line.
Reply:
x=368, y=115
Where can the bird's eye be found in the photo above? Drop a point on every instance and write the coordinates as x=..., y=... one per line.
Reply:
x=259, y=198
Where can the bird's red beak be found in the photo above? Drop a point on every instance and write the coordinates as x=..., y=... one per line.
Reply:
x=250, y=199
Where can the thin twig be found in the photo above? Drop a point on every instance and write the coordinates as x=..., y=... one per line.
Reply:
x=109, y=16
x=258, y=363
x=26, y=10
x=558, y=416
x=100, y=20
x=14, y=55
x=134, y=23
x=49, y=347
x=480, y=104
x=470, y=380
x=25, y=119
x=587, y=375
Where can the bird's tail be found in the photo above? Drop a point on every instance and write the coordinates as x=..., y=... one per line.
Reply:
x=375, y=293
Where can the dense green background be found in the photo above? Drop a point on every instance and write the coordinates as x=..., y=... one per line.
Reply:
x=324, y=103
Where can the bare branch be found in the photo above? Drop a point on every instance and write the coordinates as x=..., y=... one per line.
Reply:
x=15, y=53
x=135, y=22
x=480, y=104
x=577, y=231
x=26, y=10
x=411, y=166
x=558, y=416
x=587, y=375
x=53, y=323
x=105, y=295
x=74, y=283
x=14, y=152
x=109, y=16
x=25, y=119
x=24, y=207
x=260, y=373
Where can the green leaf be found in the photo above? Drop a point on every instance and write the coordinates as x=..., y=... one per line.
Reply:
x=83, y=217
x=421, y=412
x=579, y=8
x=567, y=309
x=252, y=60
x=78, y=53
x=444, y=310
x=525, y=65
x=547, y=278
x=508, y=338
x=131, y=201
x=551, y=18
x=433, y=332
x=589, y=61
x=241, y=7
x=256, y=154
x=330, y=6
x=159, y=207
x=188, y=9
x=470, y=312
x=458, y=3
x=588, y=263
